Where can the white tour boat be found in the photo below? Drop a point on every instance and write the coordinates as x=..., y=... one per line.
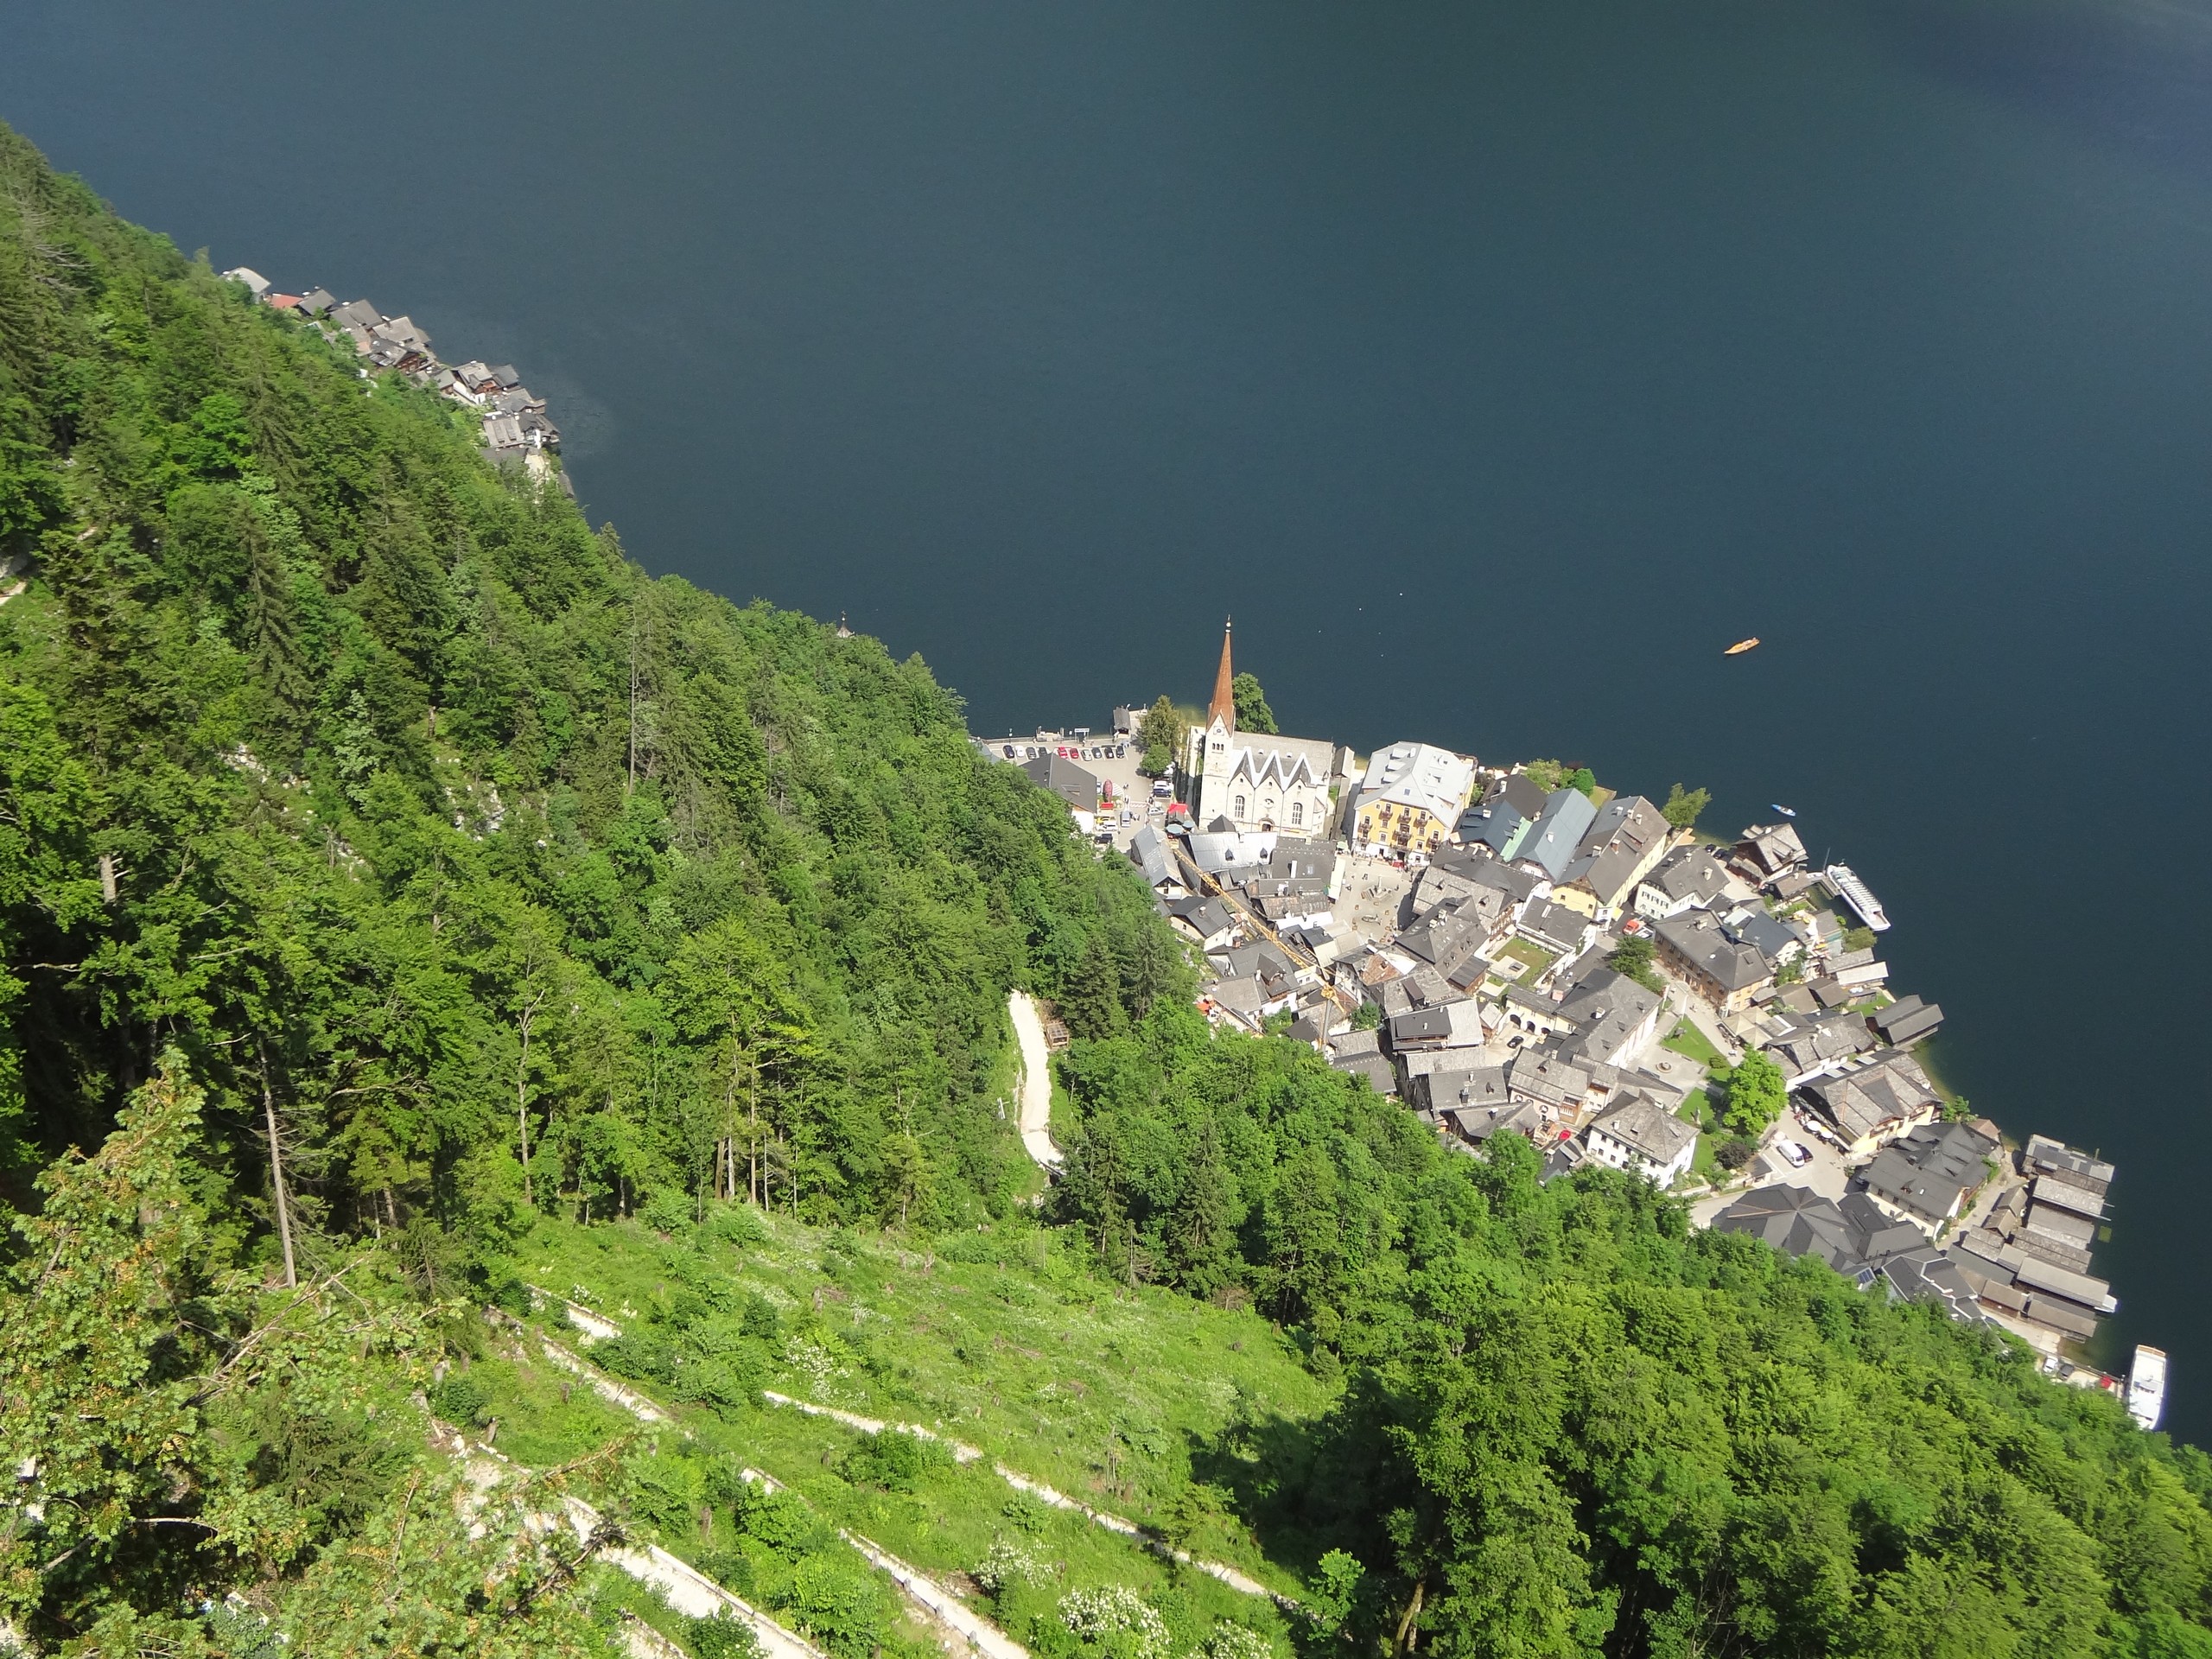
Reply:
x=1856, y=893
x=2147, y=1386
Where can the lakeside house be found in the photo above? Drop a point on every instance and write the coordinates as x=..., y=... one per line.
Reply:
x=1768, y=855
x=2030, y=1259
x=1625, y=842
x=516, y=429
x=1410, y=798
x=1926, y=1176
x=1909, y=1020
x=1872, y=1105
x=1689, y=877
x=1552, y=840
x=1507, y=812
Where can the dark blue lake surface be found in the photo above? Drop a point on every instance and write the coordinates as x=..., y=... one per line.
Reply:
x=1495, y=364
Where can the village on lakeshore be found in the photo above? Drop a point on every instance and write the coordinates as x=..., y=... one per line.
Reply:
x=516, y=429
x=1516, y=948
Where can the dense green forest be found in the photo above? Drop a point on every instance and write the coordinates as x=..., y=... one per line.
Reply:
x=1571, y=1425
x=393, y=876
x=499, y=872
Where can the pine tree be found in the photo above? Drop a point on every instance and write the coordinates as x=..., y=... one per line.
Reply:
x=1093, y=1003
x=1202, y=1228
x=272, y=631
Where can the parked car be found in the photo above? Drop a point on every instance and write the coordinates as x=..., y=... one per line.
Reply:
x=1797, y=1155
x=1009, y=751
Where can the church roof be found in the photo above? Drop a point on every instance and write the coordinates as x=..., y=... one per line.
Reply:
x=1224, y=707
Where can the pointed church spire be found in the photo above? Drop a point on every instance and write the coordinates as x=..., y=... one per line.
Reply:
x=1224, y=694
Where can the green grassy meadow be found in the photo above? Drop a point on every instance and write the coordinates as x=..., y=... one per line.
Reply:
x=997, y=1339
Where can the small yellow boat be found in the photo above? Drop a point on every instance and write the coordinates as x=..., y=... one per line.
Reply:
x=1741, y=646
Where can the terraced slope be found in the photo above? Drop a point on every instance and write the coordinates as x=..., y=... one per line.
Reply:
x=993, y=1342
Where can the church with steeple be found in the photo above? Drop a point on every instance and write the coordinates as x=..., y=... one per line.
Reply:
x=1258, y=780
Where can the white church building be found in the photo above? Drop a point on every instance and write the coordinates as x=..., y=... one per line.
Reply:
x=1260, y=781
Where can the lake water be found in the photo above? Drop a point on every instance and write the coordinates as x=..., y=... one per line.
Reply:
x=1495, y=364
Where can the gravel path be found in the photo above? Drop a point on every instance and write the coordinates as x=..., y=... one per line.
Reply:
x=1036, y=1082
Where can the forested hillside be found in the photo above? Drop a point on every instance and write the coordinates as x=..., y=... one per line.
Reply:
x=405, y=899
x=402, y=805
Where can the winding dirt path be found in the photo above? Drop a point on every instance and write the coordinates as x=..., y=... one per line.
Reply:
x=1036, y=1082
x=959, y=1624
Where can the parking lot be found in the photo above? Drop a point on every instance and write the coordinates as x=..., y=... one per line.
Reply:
x=1111, y=760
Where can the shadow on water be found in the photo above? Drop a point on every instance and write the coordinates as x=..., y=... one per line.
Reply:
x=2134, y=75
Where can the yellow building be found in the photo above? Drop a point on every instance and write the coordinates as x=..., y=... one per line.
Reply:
x=1410, y=802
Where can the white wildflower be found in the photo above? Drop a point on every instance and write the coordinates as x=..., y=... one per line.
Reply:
x=1008, y=1563
x=1117, y=1620
x=1231, y=1641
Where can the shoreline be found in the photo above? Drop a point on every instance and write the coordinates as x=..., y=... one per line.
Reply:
x=1754, y=939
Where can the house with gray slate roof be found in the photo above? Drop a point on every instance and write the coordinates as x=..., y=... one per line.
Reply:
x=1624, y=843
x=1638, y=1134
x=1927, y=1177
x=1476, y=1087
x=1908, y=1021
x=1476, y=1124
x=1063, y=778
x=1504, y=818
x=1614, y=1020
x=1812, y=1045
x=1869, y=1106
x=1689, y=877
x=1205, y=922
x=1798, y=1221
x=1555, y=928
x=1445, y=937
x=1557, y=833
x=1149, y=852
x=1725, y=971
x=1540, y=1076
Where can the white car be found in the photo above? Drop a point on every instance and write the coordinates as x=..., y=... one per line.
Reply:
x=1797, y=1155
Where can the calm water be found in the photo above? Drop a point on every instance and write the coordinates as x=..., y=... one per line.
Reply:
x=1495, y=364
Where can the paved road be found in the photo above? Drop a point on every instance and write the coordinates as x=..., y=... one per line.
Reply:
x=1036, y=1087
x=1131, y=788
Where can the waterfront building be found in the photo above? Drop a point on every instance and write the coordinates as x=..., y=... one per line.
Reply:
x=1410, y=798
x=1552, y=840
x=1624, y=843
x=1260, y=781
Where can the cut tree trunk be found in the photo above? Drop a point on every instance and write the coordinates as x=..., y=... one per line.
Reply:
x=276, y=1174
